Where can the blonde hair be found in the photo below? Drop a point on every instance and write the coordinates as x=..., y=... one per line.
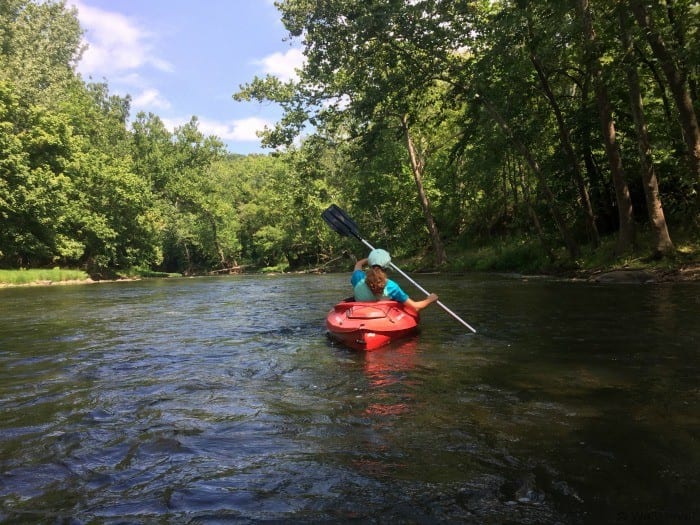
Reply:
x=375, y=279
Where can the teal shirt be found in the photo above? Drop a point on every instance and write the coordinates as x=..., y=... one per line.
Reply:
x=362, y=292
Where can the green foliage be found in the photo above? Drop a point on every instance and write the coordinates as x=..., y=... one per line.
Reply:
x=504, y=255
x=508, y=90
x=473, y=124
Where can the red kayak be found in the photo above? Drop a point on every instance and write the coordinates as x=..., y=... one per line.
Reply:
x=371, y=325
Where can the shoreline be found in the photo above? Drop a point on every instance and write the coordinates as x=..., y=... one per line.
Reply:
x=46, y=282
x=682, y=274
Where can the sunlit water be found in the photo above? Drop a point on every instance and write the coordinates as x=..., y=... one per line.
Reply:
x=221, y=400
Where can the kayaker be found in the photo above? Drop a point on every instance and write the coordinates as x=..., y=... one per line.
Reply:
x=373, y=285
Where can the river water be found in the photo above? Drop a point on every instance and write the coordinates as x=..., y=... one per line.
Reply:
x=221, y=400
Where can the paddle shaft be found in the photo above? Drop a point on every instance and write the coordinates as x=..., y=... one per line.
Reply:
x=420, y=288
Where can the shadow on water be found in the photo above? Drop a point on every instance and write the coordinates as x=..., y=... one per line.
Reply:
x=221, y=400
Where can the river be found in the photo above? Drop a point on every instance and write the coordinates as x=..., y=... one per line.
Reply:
x=221, y=400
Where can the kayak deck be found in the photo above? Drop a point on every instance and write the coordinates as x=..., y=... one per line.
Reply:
x=371, y=325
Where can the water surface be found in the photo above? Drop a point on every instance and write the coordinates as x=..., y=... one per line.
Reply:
x=220, y=400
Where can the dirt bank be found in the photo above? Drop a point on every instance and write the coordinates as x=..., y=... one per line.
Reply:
x=687, y=273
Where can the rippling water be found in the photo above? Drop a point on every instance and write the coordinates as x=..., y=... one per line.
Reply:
x=220, y=400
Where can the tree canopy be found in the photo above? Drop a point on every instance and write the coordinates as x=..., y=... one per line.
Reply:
x=533, y=97
x=439, y=125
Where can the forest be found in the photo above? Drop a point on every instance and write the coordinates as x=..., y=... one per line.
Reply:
x=491, y=135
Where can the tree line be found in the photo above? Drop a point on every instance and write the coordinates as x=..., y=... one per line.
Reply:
x=83, y=184
x=559, y=121
x=439, y=125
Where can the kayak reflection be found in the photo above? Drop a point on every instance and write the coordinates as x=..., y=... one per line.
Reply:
x=387, y=371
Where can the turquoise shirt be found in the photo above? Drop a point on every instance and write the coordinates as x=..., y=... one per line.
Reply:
x=362, y=292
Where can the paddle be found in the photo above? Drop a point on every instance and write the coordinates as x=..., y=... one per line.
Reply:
x=341, y=223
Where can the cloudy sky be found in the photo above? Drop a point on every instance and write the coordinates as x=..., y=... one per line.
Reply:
x=179, y=58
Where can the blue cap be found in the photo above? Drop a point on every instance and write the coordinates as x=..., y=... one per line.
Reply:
x=379, y=257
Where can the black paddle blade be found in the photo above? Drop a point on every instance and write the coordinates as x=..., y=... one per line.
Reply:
x=340, y=222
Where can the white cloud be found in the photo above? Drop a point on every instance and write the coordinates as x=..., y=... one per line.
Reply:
x=150, y=98
x=283, y=65
x=243, y=130
x=240, y=130
x=116, y=43
x=172, y=123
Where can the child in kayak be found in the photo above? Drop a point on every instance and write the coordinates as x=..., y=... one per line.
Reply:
x=373, y=285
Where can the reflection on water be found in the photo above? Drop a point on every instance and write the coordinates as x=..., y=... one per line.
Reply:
x=221, y=400
x=386, y=370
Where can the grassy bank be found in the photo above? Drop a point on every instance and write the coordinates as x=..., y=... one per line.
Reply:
x=60, y=275
x=529, y=257
x=516, y=255
x=54, y=275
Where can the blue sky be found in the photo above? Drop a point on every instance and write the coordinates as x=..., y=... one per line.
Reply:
x=179, y=58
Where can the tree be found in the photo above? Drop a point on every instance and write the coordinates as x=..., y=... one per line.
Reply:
x=625, y=238
x=181, y=170
x=364, y=60
x=534, y=36
x=34, y=201
x=657, y=219
x=40, y=44
x=678, y=82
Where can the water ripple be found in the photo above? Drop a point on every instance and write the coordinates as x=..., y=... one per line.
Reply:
x=221, y=400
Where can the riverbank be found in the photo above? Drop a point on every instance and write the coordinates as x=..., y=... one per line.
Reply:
x=61, y=276
x=630, y=275
x=53, y=277
x=41, y=276
x=686, y=273
x=601, y=264
x=514, y=256
x=47, y=282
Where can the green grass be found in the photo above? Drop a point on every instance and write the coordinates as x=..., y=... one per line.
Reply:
x=30, y=276
x=527, y=256
x=687, y=252
x=513, y=255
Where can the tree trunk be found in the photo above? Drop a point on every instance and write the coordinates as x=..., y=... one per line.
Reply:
x=625, y=238
x=679, y=46
x=188, y=258
x=535, y=218
x=660, y=84
x=569, y=240
x=657, y=219
x=219, y=250
x=677, y=83
x=566, y=144
x=417, y=167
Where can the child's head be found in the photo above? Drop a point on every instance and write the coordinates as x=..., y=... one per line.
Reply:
x=375, y=279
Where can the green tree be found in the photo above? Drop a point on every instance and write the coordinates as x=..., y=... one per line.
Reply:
x=657, y=219
x=183, y=172
x=34, y=189
x=675, y=68
x=593, y=55
x=366, y=63
x=40, y=44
